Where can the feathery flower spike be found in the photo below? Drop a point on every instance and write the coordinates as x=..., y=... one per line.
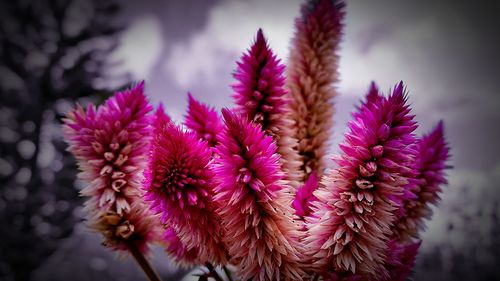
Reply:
x=176, y=249
x=433, y=152
x=203, y=120
x=399, y=261
x=110, y=144
x=260, y=235
x=180, y=187
x=310, y=75
x=259, y=93
x=173, y=244
x=350, y=225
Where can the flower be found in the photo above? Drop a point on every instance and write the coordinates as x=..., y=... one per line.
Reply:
x=304, y=197
x=176, y=248
x=259, y=93
x=110, y=144
x=203, y=120
x=399, y=262
x=433, y=152
x=172, y=243
x=310, y=75
x=180, y=187
x=137, y=227
x=352, y=219
x=255, y=209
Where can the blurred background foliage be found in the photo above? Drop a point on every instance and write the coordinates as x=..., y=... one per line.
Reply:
x=53, y=53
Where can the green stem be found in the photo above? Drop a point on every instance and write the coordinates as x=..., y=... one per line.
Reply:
x=143, y=263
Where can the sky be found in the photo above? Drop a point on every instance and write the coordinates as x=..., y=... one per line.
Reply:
x=444, y=51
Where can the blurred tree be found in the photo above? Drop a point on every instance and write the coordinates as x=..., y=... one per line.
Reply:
x=52, y=53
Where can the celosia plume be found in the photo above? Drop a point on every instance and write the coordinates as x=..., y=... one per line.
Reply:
x=172, y=243
x=177, y=250
x=352, y=219
x=203, y=120
x=111, y=145
x=433, y=153
x=259, y=93
x=399, y=262
x=180, y=187
x=310, y=75
x=255, y=209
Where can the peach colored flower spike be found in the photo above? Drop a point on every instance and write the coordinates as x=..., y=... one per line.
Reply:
x=310, y=75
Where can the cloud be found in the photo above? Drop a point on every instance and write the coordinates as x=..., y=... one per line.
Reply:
x=229, y=31
x=140, y=46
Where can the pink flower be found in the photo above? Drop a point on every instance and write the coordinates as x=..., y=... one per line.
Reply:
x=175, y=248
x=352, y=219
x=203, y=120
x=304, y=197
x=433, y=152
x=259, y=93
x=111, y=145
x=399, y=262
x=137, y=227
x=310, y=77
x=255, y=209
x=180, y=187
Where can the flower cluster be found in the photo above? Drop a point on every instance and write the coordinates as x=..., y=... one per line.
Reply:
x=249, y=191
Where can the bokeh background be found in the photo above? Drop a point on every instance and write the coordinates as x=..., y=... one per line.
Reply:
x=54, y=53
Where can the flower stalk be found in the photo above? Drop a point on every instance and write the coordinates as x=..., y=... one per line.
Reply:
x=143, y=263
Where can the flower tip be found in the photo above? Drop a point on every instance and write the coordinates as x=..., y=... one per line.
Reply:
x=227, y=114
x=138, y=88
x=440, y=128
x=373, y=93
x=260, y=34
x=190, y=98
x=161, y=116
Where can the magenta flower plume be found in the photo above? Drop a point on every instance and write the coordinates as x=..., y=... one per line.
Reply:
x=255, y=209
x=310, y=75
x=180, y=187
x=399, y=262
x=433, y=152
x=304, y=197
x=111, y=145
x=259, y=92
x=176, y=249
x=355, y=211
x=203, y=120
